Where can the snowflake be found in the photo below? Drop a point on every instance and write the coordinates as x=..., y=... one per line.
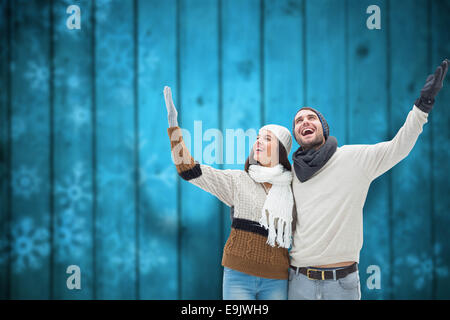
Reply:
x=153, y=256
x=74, y=191
x=166, y=176
x=38, y=74
x=129, y=141
x=150, y=61
x=149, y=171
x=441, y=269
x=25, y=182
x=116, y=64
x=123, y=95
x=167, y=221
x=80, y=116
x=421, y=265
x=120, y=252
x=117, y=173
x=29, y=245
x=71, y=235
x=73, y=81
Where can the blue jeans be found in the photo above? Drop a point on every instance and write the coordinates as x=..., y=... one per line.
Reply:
x=242, y=286
x=302, y=288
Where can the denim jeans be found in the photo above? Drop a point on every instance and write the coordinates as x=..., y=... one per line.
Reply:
x=242, y=286
x=302, y=288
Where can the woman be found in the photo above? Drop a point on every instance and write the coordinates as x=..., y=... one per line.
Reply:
x=255, y=256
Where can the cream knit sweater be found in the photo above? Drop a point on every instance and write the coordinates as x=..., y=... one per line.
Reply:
x=329, y=226
x=246, y=249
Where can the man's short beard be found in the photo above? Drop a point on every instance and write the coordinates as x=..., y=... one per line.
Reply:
x=314, y=144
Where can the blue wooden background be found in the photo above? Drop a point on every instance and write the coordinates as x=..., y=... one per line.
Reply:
x=85, y=169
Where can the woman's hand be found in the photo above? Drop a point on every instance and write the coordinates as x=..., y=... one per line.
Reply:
x=172, y=113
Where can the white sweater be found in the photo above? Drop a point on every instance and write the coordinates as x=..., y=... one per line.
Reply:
x=330, y=204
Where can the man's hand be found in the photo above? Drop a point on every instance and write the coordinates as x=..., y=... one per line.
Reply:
x=432, y=86
x=172, y=113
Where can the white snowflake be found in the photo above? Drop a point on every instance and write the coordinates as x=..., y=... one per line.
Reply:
x=71, y=235
x=130, y=139
x=150, y=61
x=29, y=245
x=421, y=264
x=154, y=256
x=37, y=75
x=73, y=192
x=80, y=116
x=25, y=182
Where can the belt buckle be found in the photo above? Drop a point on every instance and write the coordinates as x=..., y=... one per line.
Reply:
x=322, y=273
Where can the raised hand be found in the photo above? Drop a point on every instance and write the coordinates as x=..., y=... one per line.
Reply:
x=172, y=113
x=432, y=86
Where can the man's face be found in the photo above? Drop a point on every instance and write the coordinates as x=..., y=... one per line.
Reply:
x=308, y=129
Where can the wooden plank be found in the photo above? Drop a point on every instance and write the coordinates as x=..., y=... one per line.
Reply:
x=30, y=229
x=283, y=61
x=439, y=127
x=115, y=106
x=326, y=63
x=72, y=151
x=368, y=116
x=241, y=86
x=158, y=181
x=4, y=153
x=198, y=95
x=411, y=214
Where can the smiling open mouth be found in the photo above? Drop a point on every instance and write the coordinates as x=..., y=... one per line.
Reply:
x=307, y=132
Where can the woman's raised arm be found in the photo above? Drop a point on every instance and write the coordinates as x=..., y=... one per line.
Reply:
x=219, y=183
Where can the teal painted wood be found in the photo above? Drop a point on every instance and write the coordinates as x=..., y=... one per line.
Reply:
x=241, y=86
x=4, y=153
x=284, y=67
x=372, y=79
x=326, y=63
x=368, y=116
x=72, y=99
x=31, y=216
x=439, y=127
x=411, y=214
x=198, y=95
x=115, y=106
x=158, y=230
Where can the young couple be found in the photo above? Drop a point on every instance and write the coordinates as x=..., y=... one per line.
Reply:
x=318, y=205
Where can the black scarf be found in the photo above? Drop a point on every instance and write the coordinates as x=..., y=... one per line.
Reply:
x=308, y=162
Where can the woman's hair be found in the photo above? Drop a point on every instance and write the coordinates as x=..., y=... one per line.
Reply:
x=282, y=156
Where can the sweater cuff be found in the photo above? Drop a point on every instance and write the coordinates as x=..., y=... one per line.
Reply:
x=424, y=104
x=193, y=173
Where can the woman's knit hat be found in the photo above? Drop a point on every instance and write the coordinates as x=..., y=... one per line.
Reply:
x=326, y=129
x=282, y=134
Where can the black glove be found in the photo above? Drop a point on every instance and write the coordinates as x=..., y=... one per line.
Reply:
x=432, y=86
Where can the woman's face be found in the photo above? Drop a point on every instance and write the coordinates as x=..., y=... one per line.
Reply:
x=265, y=149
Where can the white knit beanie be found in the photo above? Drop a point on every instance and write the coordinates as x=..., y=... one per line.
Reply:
x=282, y=134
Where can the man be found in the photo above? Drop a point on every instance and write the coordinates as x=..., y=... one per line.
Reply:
x=330, y=187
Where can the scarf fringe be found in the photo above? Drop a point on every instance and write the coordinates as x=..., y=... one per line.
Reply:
x=280, y=235
x=278, y=205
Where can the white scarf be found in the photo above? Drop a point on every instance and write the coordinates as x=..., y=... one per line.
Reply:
x=279, y=202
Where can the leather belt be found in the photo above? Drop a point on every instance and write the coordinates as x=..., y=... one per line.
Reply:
x=320, y=274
